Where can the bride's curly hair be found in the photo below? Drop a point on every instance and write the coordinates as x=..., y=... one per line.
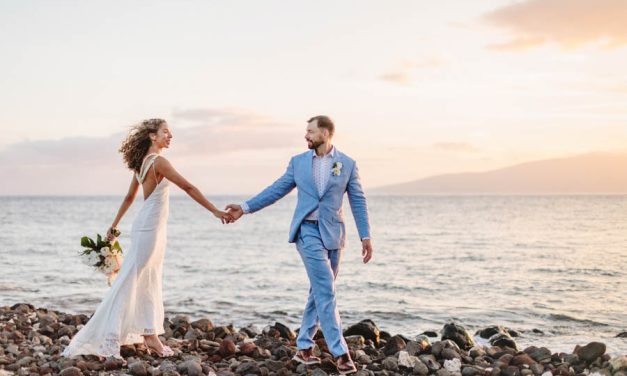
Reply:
x=136, y=144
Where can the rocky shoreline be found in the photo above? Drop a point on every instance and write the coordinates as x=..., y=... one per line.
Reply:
x=32, y=339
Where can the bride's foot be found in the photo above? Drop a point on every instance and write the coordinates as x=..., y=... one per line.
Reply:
x=153, y=343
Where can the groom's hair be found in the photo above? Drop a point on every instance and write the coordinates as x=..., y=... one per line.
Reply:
x=324, y=122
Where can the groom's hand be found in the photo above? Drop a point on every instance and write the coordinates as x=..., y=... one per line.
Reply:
x=235, y=211
x=366, y=250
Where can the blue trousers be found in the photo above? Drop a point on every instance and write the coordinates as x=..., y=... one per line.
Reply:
x=322, y=266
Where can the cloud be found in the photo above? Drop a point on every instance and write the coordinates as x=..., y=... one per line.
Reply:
x=405, y=74
x=93, y=165
x=569, y=23
x=455, y=147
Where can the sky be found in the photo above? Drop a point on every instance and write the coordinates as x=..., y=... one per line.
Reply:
x=416, y=88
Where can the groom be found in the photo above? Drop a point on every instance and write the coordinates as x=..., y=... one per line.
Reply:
x=322, y=176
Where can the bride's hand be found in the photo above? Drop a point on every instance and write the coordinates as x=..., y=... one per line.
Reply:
x=110, y=235
x=224, y=217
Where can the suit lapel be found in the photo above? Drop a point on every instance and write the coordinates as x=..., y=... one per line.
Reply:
x=308, y=171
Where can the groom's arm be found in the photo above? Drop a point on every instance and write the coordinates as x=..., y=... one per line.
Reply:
x=279, y=189
x=359, y=207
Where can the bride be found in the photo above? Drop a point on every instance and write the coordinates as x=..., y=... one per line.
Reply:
x=132, y=310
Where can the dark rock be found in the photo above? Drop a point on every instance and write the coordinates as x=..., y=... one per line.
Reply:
x=490, y=331
x=430, y=333
x=112, y=364
x=248, y=368
x=190, y=367
x=510, y=371
x=227, y=348
x=521, y=359
x=284, y=331
x=622, y=335
x=537, y=331
x=430, y=361
x=203, y=324
x=450, y=354
x=137, y=369
x=471, y=371
x=439, y=346
x=128, y=350
x=247, y=348
x=591, y=351
x=512, y=332
x=420, y=369
x=222, y=331
x=538, y=354
x=390, y=363
x=503, y=340
x=537, y=369
x=476, y=351
x=71, y=371
x=394, y=345
x=457, y=334
x=273, y=365
x=365, y=328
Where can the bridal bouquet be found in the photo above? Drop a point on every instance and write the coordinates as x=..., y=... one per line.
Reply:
x=103, y=254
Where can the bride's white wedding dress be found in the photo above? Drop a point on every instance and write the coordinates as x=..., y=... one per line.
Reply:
x=133, y=306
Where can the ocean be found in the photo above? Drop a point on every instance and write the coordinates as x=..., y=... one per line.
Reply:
x=553, y=263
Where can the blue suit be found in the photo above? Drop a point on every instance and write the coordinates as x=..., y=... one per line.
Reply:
x=319, y=245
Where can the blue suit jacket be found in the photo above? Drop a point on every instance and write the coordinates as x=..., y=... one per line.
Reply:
x=299, y=174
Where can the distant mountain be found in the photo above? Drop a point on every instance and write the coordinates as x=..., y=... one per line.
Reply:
x=590, y=173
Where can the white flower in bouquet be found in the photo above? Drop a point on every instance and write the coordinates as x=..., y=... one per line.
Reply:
x=106, y=251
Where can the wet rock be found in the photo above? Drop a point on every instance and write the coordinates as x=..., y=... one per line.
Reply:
x=390, y=363
x=621, y=335
x=539, y=354
x=203, y=324
x=521, y=359
x=365, y=328
x=248, y=368
x=439, y=346
x=510, y=371
x=476, y=351
x=419, y=346
x=471, y=371
x=394, y=345
x=71, y=371
x=490, y=331
x=406, y=360
x=190, y=367
x=284, y=331
x=431, y=362
x=420, y=369
x=430, y=333
x=222, y=331
x=137, y=369
x=355, y=342
x=503, y=340
x=227, y=348
x=537, y=369
x=457, y=334
x=590, y=351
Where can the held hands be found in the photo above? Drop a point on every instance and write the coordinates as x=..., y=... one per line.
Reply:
x=224, y=217
x=235, y=211
x=366, y=250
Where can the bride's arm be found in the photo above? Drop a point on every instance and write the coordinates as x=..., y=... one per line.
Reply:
x=126, y=203
x=164, y=168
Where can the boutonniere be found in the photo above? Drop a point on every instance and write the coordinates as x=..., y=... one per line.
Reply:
x=337, y=168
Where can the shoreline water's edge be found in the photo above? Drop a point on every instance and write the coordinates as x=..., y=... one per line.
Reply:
x=32, y=340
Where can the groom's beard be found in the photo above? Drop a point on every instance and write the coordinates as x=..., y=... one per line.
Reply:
x=314, y=144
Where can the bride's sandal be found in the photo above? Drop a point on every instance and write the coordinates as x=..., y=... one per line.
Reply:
x=166, y=352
